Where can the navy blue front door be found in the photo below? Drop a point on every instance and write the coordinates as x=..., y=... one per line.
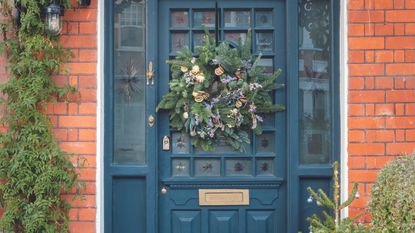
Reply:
x=260, y=171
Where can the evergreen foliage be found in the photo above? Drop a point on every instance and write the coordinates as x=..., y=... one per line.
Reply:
x=332, y=223
x=392, y=203
x=220, y=95
x=34, y=171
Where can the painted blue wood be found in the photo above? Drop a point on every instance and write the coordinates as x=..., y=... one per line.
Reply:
x=308, y=206
x=129, y=208
x=186, y=221
x=223, y=221
x=182, y=192
x=261, y=222
x=136, y=183
x=278, y=204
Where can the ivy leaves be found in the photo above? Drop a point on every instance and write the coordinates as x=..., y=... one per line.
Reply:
x=34, y=171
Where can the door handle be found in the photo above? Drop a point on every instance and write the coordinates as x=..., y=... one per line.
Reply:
x=150, y=74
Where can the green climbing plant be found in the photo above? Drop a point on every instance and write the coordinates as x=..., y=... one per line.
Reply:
x=34, y=171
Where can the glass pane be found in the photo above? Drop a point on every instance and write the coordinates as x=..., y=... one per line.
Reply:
x=240, y=19
x=198, y=38
x=204, y=19
x=314, y=98
x=179, y=19
x=131, y=37
x=179, y=41
x=207, y=167
x=264, y=42
x=265, y=143
x=129, y=83
x=238, y=167
x=265, y=167
x=180, y=167
x=235, y=37
x=180, y=143
x=224, y=148
x=268, y=64
x=269, y=120
x=263, y=19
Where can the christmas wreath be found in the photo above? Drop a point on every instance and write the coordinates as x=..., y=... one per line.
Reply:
x=220, y=95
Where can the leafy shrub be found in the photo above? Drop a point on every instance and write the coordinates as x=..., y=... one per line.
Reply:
x=393, y=197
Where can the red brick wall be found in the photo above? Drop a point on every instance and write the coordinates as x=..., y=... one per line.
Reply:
x=381, y=102
x=75, y=121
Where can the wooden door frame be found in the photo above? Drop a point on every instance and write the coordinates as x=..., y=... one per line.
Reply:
x=148, y=170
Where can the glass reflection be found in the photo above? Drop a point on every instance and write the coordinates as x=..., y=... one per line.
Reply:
x=264, y=42
x=180, y=143
x=180, y=167
x=314, y=67
x=204, y=19
x=235, y=37
x=207, y=167
x=179, y=19
x=238, y=167
x=263, y=19
x=129, y=82
x=265, y=167
x=179, y=41
x=235, y=19
x=265, y=143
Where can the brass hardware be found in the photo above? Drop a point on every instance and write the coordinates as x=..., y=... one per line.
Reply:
x=151, y=120
x=163, y=190
x=150, y=74
x=221, y=197
x=166, y=143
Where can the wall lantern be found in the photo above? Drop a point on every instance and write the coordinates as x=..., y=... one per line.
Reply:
x=85, y=3
x=53, y=18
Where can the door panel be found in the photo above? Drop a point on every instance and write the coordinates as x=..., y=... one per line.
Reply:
x=260, y=169
x=186, y=221
x=129, y=207
x=223, y=221
x=261, y=221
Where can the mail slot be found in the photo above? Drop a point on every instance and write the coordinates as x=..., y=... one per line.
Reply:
x=222, y=197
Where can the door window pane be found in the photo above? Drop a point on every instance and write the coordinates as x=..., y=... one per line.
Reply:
x=238, y=167
x=263, y=18
x=207, y=167
x=179, y=41
x=265, y=143
x=265, y=166
x=181, y=144
x=237, y=19
x=264, y=42
x=129, y=83
x=235, y=37
x=204, y=19
x=180, y=167
x=314, y=67
x=179, y=19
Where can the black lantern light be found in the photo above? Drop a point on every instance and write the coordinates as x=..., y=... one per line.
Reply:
x=85, y=3
x=53, y=17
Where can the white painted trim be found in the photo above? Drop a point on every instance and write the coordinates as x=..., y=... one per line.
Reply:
x=99, y=219
x=344, y=74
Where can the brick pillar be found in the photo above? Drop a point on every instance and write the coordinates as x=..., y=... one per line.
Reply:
x=75, y=121
x=381, y=101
